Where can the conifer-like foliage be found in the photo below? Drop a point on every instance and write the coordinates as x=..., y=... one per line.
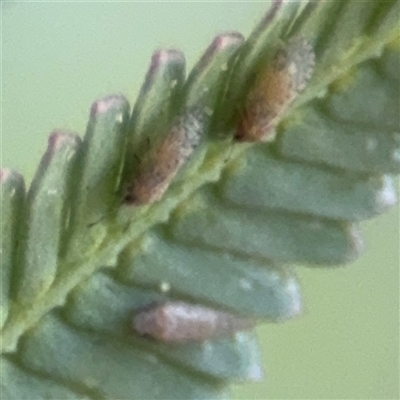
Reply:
x=77, y=259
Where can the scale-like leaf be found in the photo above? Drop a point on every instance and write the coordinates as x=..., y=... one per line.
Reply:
x=43, y=220
x=17, y=383
x=12, y=199
x=259, y=289
x=303, y=188
x=274, y=236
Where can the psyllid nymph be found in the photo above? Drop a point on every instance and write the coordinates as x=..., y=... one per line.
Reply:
x=178, y=321
x=275, y=89
x=157, y=169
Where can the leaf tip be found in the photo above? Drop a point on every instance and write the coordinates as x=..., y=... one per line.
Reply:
x=227, y=39
x=356, y=244
x=103, y=105
x=219, y=44
x=387, y=196
x=8, y=174
x=296, y=306
x=59, y=138
x=163, y=57
x=270, y=15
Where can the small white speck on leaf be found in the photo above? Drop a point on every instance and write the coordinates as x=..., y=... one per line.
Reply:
x=165, y=287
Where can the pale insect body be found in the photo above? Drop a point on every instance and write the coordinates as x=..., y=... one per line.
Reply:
x=156, y=171
x=177, y=321
x=275, y=90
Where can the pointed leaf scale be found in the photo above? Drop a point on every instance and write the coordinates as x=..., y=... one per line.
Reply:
x=98, y=175
x=25, y=385
x=251, y=288
x=158, y=96
x=45, y=217
x=114, y=368
x=12, y=202
x=354, y=103
x=268, y=183
x=275, y=236
x=210, y=72
x=318, y=139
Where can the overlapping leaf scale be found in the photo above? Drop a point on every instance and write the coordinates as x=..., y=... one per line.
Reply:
x=12, y=201
x=326, y=134
x=43, y=220
x=260, y=290
x=17, y=383
x=268, y=182
x=276, y=236
x=105, y=365
x=97, y=176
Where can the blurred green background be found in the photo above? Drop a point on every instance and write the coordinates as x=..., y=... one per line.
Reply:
x=57, y=58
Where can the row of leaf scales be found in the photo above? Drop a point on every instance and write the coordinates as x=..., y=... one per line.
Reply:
x=297, y=200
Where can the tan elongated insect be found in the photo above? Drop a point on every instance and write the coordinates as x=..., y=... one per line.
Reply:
x=157, y=170
x=275, y=90
x=177, y=321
